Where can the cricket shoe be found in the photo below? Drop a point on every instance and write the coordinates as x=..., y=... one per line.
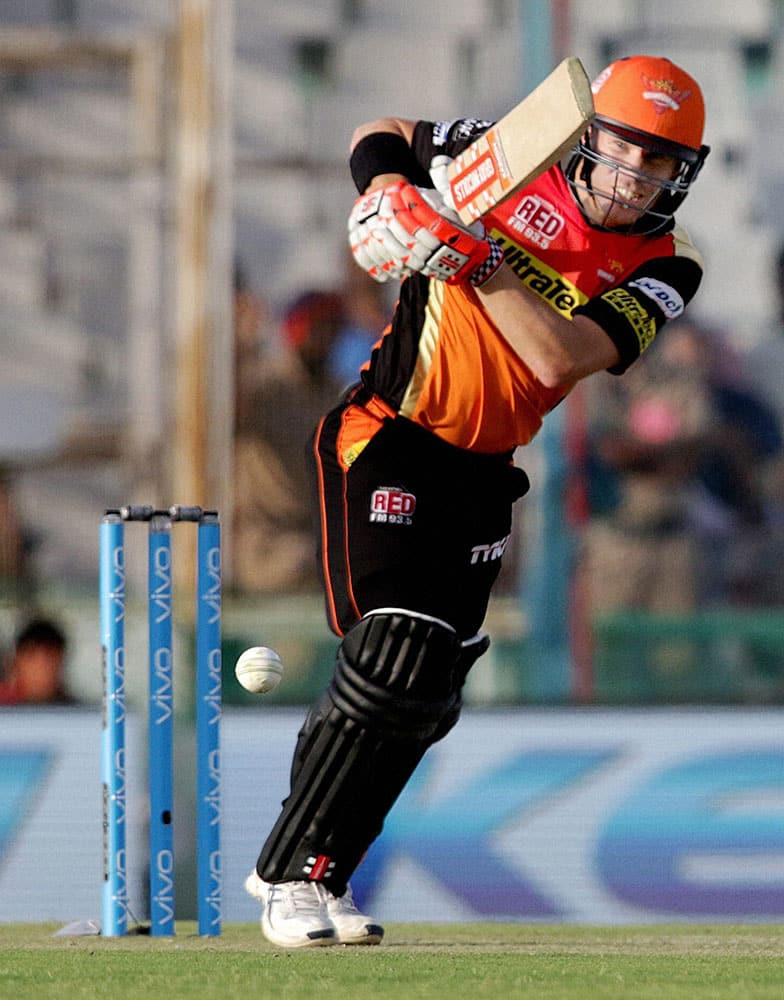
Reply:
x=352, y=927
x=295, y=913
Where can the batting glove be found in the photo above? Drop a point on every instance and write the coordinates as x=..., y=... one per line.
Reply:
x=401, y=229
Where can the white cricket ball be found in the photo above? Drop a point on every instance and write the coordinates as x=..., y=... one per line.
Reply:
x=259, y=669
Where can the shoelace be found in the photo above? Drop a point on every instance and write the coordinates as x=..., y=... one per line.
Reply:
x=305, y=897
x=345, y=903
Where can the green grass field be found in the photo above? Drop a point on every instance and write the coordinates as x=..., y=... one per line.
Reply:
x=452, y=961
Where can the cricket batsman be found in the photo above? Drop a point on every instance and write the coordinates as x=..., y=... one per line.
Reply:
x=413, y=474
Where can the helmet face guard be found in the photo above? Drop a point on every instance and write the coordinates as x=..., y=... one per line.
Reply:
x=666, y=196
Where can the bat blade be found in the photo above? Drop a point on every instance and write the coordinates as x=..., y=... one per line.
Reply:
x=524, y=143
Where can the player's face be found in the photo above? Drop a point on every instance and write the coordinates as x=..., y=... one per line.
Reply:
x=626, y=180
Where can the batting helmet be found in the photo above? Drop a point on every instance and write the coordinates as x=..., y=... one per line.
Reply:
x=651, y=102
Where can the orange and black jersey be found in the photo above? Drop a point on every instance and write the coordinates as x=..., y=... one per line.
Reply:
x=443, y=364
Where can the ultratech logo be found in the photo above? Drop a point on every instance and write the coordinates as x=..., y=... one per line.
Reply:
x=561, y=294
x=392, y=505
x=537, y=220
x=632, y=310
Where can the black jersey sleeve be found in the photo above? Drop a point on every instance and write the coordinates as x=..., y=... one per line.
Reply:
x=632, y=312
x=444, y=138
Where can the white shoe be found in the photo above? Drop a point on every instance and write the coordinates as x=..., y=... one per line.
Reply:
x=352, y=926
x=256, y=887
x=295, y=913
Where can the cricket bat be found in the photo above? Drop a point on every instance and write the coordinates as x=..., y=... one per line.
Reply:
x=524, y=143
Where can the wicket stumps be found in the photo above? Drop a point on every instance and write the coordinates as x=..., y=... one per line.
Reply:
x=112, y=588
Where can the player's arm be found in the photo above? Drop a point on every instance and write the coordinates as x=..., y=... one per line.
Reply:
x=382, y=153
x=609, y=332
x=398, y=148
x=557, y=350
x=394, y=162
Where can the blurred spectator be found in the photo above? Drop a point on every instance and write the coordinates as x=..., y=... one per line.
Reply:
x=646, y=433
x=34, y=670
x=729, y=512
x=273, y=548
x=365, y=317
x=678, y=452
x=250, y=320
x=765, y=370
x=765, y=360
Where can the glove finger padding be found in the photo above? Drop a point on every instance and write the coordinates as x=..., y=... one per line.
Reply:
x=380, y=243
x=375, y=248
x=401, y=236
x=418, y=243
x=461, y=255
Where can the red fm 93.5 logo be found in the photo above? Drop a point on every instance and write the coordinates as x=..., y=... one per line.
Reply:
x=392, y=505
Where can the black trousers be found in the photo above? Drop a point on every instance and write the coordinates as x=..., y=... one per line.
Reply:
x=414, y=523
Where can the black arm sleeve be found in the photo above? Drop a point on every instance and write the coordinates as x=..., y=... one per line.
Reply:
x=632, y=312
x=385, y=153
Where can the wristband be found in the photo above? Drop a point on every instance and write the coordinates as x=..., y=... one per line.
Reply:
x=381, y=153
x=487, y=269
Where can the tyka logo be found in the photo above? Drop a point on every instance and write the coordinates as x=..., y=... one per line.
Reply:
x=392, y=505
x=490, y=552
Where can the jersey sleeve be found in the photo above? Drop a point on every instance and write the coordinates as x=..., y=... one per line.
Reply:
x=444, y=138
x=632, y=312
